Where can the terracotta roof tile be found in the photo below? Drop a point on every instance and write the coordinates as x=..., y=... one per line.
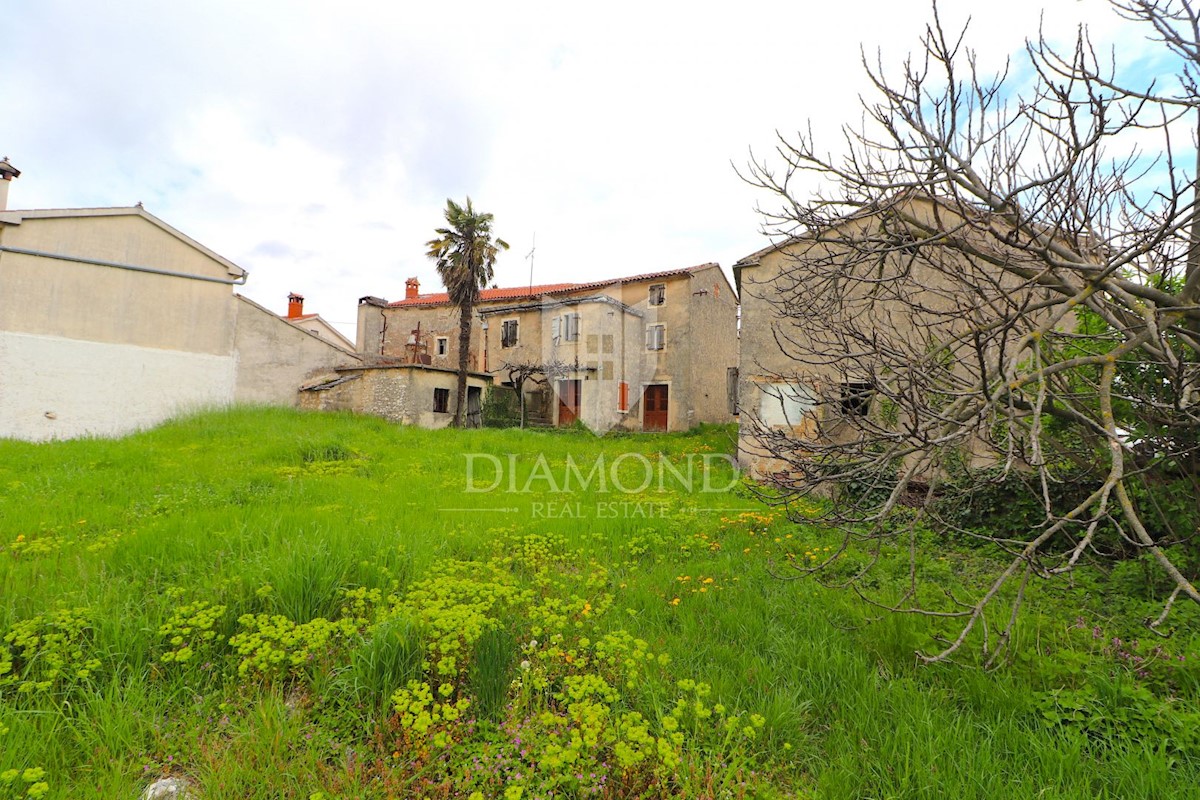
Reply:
x=524, y=292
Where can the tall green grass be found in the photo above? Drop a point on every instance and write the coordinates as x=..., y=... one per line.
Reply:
x=278, y=512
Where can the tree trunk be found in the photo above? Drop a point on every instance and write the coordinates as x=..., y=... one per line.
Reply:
x=464, y=355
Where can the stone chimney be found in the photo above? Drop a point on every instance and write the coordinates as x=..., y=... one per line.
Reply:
x=295, y=305
x=412, y=288
x=7, y=173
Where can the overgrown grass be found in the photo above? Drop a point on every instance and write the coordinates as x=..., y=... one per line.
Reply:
x=352, y=571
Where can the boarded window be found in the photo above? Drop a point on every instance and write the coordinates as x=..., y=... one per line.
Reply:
x=731, y=388
x=508, y=333
x=606, y=370
x=606, y=343
x=658, y=294
x=784, y=404
x=655, y=337
x=622, y=396
x=441, y=401
x=593, y=343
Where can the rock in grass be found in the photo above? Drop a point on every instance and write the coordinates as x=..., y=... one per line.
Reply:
x=169, y=789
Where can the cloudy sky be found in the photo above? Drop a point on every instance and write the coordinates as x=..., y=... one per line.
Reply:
x=315, y=143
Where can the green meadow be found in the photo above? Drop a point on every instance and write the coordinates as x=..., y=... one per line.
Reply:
x=273, y=604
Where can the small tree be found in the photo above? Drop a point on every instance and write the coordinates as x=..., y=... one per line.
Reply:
x=522, y=372
x=1041, y=243
x=465, y=254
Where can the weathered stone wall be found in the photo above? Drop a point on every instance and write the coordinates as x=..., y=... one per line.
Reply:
x=402, y=394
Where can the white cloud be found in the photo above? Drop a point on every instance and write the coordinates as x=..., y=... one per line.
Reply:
x=315, y=143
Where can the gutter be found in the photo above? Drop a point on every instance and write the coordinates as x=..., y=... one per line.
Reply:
x=116, y=265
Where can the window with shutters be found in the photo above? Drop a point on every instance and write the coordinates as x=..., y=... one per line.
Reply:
x=655, y=337
x=571, y=327
x=623, y=396
x=508, y=333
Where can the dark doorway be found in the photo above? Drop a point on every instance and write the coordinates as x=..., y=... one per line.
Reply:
x=654, y=407
x=474, y=407
x=568, y=402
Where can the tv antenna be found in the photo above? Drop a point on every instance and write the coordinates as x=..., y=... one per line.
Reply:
x=529, y=255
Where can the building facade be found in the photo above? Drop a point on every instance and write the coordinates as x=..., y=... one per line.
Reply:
x=831, y=319
x=646, y=352
x=409, y=394
x=111, y=321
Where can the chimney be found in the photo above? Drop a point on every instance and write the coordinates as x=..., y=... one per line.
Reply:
x=7, y=173
x=412, y=288
x=295, y=305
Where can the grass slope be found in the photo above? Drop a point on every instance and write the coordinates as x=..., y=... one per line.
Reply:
x=280, y=605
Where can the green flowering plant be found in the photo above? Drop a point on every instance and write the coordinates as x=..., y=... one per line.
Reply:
x=189, y=631
x=47, y=652
x=273, y=645
x=16, y=784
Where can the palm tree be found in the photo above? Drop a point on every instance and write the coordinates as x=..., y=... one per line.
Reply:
x=464, y=253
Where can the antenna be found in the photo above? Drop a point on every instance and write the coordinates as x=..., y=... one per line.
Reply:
x=529, y=255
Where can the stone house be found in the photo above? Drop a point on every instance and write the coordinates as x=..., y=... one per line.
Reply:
x=654, y=351
x=111, y=320
x=810, y=375
x=410, y=394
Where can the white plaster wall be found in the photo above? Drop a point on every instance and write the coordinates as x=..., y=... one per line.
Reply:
x=275, y=357
x=57, y=388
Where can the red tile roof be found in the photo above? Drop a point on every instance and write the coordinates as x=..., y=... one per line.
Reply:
x=524, y=292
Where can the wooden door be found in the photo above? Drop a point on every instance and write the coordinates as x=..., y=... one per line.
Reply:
x=474, y=407
x=568, y=402
x=654, y=407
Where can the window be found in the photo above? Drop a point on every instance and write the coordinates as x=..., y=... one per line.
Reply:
x=784, y=404
x=441, y=401
x=508, y=333
x=623, y=396
x=655, y=337
x=443, y=345
x=856, y=398
x=606, y=343
x=565, y=328
x=658, y=294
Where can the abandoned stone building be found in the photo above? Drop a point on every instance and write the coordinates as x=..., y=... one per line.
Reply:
x=656, y=351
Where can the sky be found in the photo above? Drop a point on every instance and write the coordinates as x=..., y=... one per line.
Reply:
x=315, y=143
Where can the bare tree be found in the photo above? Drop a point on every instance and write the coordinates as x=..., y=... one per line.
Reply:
x=519, y=373
x=998, y=274
x=541, y=373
